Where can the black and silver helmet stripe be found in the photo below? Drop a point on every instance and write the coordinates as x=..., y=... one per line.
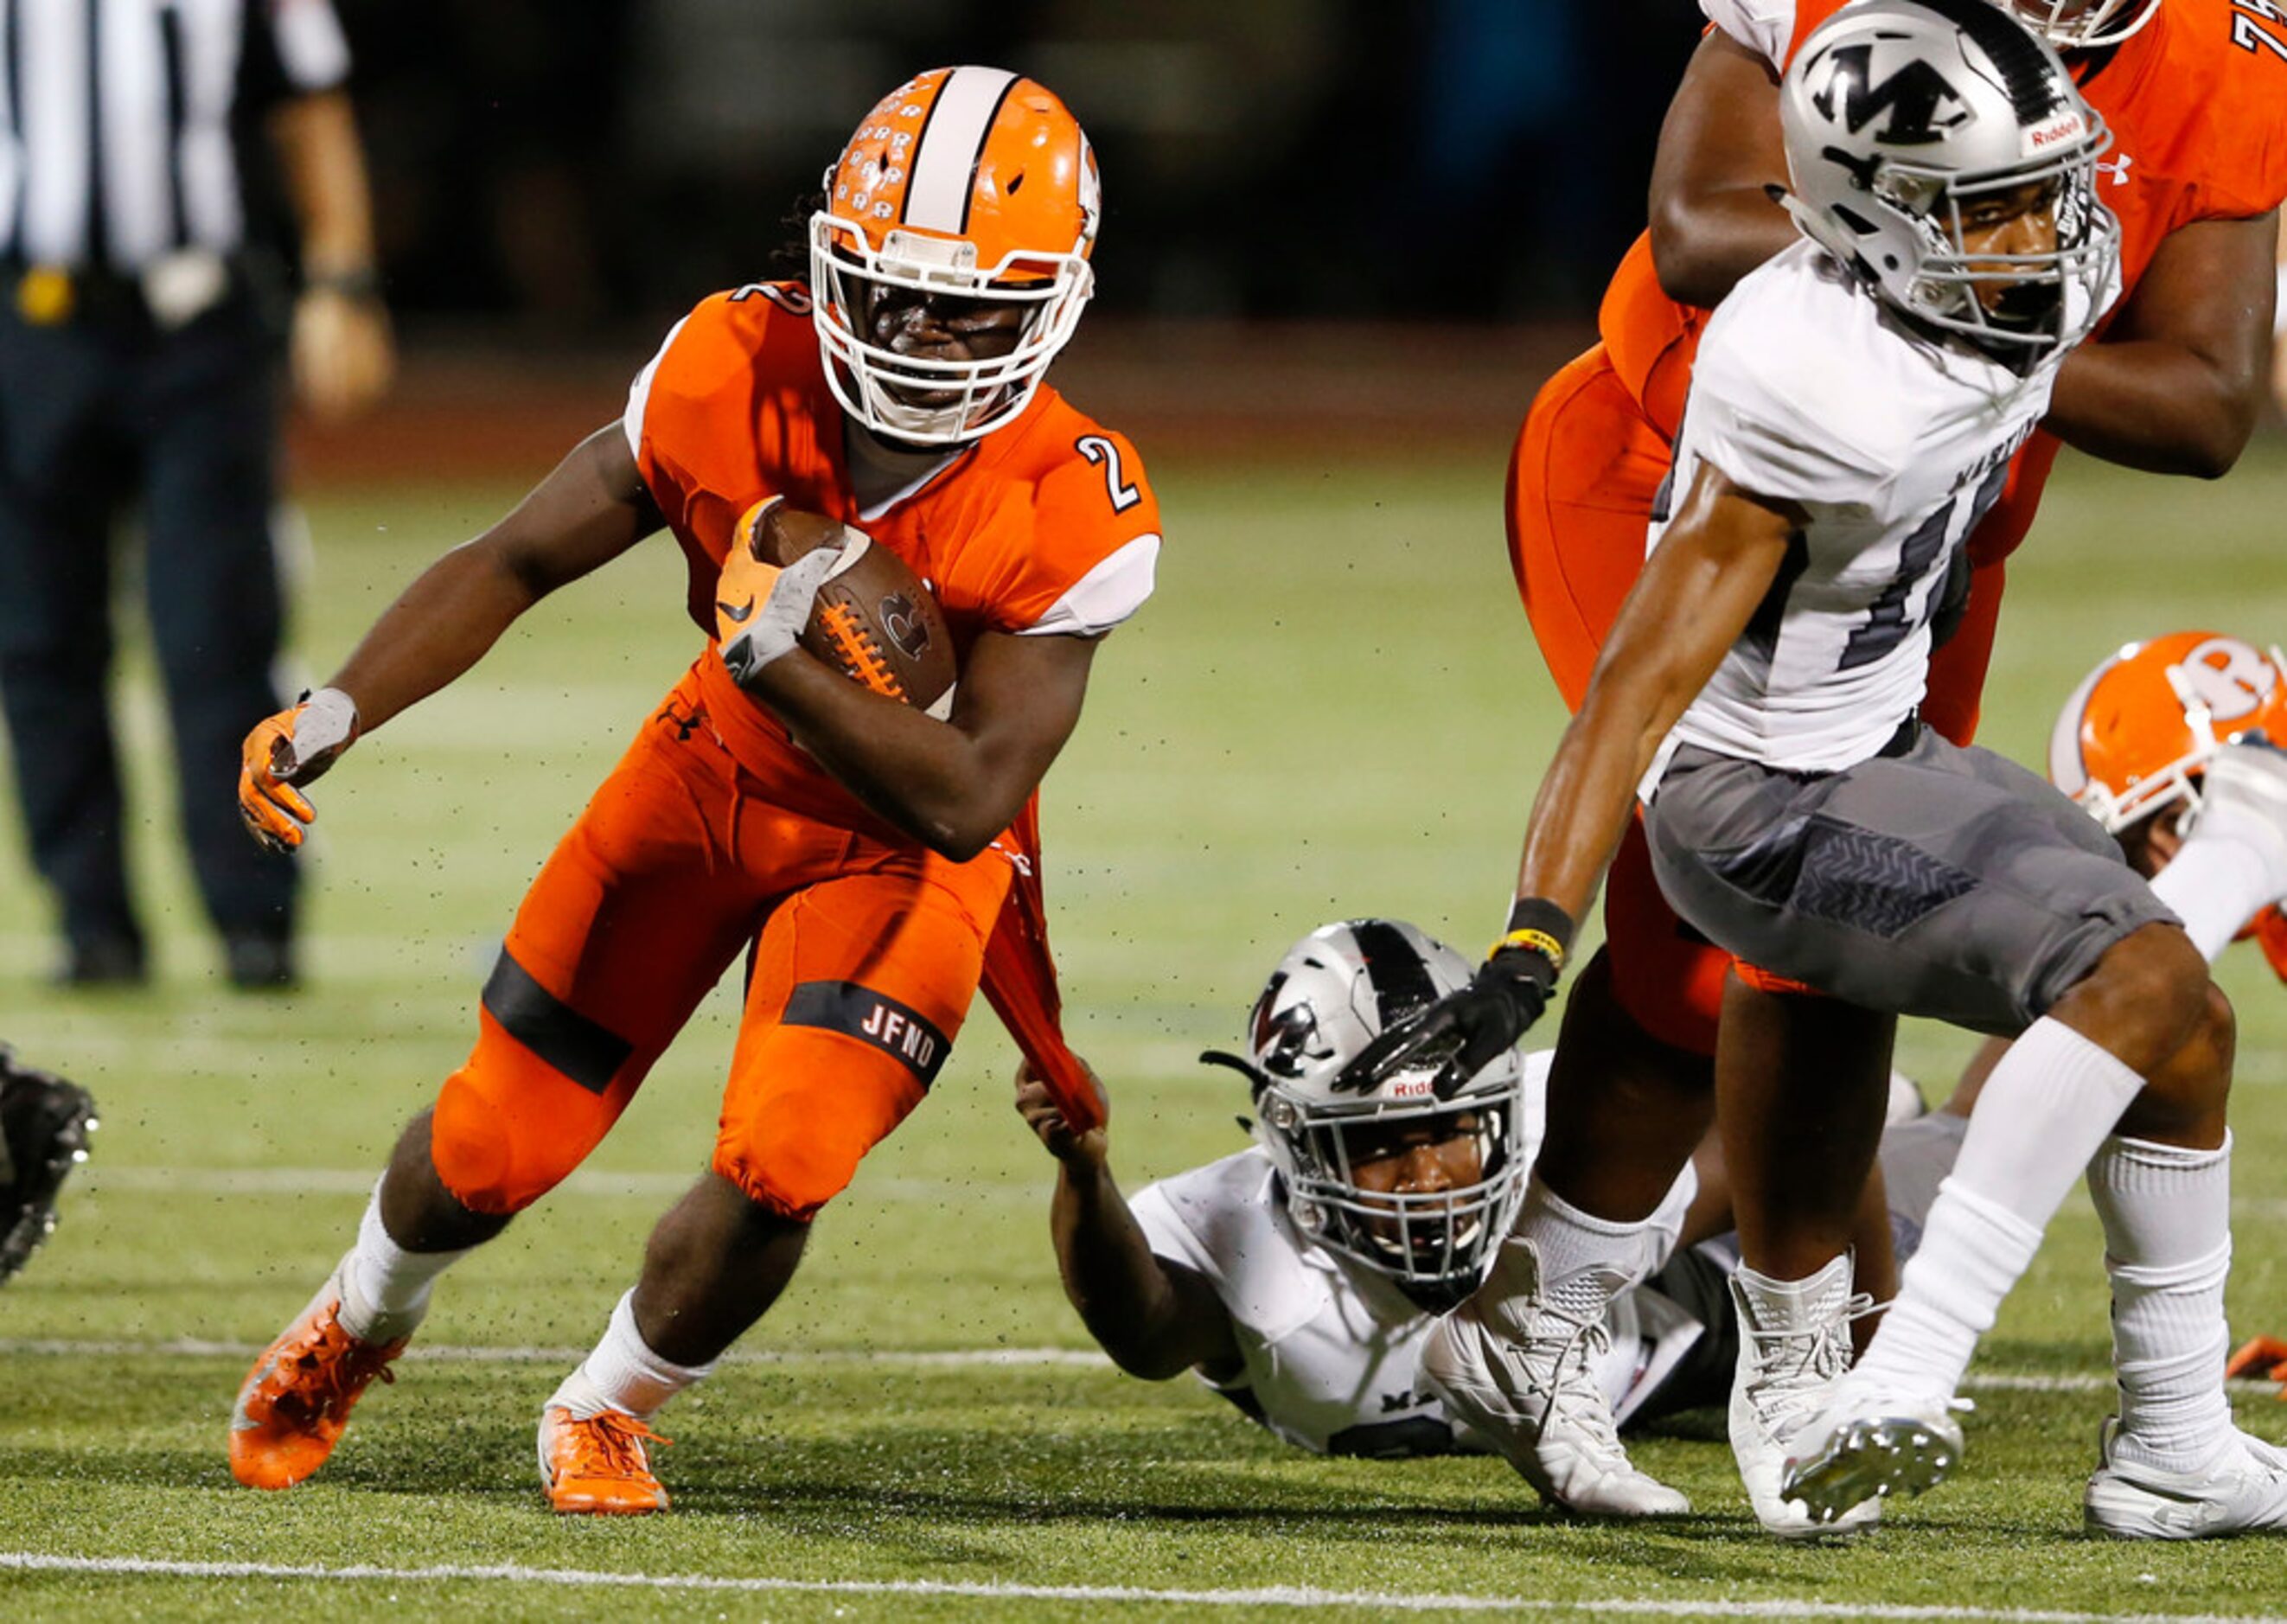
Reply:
x=2033, y=90
x=1394, y=969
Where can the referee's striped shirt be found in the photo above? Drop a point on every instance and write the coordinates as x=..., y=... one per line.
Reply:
x=116, y=119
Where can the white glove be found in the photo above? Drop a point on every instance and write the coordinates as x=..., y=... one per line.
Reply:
x=769, y=630
x=2244, y=796
x=325, y=724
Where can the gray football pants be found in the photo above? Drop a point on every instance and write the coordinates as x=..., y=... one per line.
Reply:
x=1941, y=882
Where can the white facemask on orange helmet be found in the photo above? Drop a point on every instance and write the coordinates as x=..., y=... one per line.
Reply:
x=966, y=182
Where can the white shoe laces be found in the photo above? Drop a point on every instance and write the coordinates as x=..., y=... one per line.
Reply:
x=1563, y=1367
x=1794, y=1368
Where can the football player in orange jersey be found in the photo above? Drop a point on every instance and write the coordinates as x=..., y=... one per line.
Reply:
x=870, y=874
x=2195, y=94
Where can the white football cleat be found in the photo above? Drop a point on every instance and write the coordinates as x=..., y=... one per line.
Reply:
x=1871, y=1441
x=2242, y=1491
x=1536, y=1398
x=1794, y=1344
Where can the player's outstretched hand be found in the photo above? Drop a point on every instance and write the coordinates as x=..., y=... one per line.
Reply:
x=1040, y=1114
x=291, y=749
x=1465, y=1030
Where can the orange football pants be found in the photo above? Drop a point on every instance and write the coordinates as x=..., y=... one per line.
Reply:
x=1582, y=482
x=864, y=955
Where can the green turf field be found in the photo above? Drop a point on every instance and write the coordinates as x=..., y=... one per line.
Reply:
x=1331, y=709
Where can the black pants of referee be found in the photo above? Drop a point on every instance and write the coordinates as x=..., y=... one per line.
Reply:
x=98, y=412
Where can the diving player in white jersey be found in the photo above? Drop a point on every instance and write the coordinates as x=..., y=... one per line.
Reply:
x=1852, y=402
x=1300, y=1278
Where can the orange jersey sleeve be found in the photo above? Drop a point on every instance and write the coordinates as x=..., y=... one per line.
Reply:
x=1070, y=542
x=731, y=409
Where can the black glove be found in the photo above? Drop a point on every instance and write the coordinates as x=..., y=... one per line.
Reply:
x=1466, y=1031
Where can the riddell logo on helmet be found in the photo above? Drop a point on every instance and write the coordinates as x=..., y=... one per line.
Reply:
x=2064, y=127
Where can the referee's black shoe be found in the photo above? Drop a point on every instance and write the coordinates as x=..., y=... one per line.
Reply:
x=45, y=1122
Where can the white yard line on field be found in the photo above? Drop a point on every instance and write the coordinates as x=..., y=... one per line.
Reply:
x=1271, y=1596
x=939, y=1358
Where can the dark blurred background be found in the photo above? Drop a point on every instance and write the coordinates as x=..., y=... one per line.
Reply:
x=575, y=165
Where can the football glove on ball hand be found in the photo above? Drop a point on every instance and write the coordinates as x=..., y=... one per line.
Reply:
x=292, y=748
x=761, y=610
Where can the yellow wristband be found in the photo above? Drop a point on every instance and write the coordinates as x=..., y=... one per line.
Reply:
x=1539, y=941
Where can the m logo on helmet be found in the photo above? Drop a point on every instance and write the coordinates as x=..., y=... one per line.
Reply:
x=1921, y=104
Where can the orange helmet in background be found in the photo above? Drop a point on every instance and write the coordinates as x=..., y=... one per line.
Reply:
x=2134, y=735
x=970, y=182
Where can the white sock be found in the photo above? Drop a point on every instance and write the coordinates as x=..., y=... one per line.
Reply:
x=2048, y=1104
x=623, y=1374
x=1973, y=1252
x=2215, y=884
x=2167, y=1241
x=384, y=1288
x=1666, y=1220
x=1584, y=1261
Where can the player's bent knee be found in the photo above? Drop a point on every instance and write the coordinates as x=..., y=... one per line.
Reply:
x=2148, y=997
x=793, y=1141
x=791, y=1175
x=495, y=1160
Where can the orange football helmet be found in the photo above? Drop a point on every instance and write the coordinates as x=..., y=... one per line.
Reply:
x=2132, y=737
x=970, y=182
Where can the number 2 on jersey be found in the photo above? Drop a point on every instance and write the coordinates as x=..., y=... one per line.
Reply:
x=1101, y=452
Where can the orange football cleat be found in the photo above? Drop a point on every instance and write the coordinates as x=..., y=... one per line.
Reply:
x=297, y=1397
x=597, y=1465
x=2261, y=1358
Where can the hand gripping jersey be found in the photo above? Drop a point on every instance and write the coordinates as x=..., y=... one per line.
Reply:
x=1331, y=1348
x=1810, y=390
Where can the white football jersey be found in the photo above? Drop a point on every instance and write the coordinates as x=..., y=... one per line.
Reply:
x=1809, y=390
x=1331, y=1348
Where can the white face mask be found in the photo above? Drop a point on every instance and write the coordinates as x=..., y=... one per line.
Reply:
x=876, y=385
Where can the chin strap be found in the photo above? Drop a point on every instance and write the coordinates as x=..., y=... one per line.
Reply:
x=1253, y=1074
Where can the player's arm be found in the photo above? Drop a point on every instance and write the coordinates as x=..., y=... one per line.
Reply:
x=590, y=509
x=1713, y=217
x=1156, y=1318
x=952, y=785
x=2178, y=381
x=341, y=350
x=1699, y=592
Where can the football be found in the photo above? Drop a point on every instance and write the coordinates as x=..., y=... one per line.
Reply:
x=874, y=621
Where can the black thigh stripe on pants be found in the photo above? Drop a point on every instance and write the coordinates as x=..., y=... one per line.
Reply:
x=1941, y=881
